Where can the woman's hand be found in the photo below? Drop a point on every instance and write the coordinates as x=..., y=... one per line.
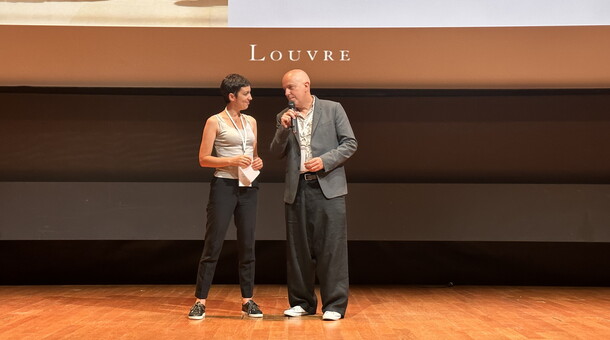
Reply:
x=257, y=163
x=241, y=161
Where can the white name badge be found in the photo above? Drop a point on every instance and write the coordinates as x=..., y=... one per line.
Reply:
x=303, y=159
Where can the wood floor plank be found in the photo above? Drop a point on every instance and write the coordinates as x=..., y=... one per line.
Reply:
x=375, y=312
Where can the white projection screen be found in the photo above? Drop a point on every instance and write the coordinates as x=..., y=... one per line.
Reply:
x=342, y=44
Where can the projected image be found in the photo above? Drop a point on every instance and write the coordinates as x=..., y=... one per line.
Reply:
x=144, y=13
x=312, y=13
x=417, y=13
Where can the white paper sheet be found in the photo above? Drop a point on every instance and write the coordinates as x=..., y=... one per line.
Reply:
x=247, y=176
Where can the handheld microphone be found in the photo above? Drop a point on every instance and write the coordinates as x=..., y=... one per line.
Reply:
x=293, y=121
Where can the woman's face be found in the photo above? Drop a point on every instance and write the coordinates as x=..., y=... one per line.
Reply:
x=243, y=98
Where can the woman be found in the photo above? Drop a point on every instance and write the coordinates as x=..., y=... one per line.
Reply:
x=233, y=136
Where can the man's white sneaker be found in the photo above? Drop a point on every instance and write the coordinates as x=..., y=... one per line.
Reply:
x=295, y=311
x=331, y=316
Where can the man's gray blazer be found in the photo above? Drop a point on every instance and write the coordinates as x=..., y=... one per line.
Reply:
x=332, y=139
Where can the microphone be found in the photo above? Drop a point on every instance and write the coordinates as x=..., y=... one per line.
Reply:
x=293, y=121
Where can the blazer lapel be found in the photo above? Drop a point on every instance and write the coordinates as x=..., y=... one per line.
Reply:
x=295, y=135
x=317, y=111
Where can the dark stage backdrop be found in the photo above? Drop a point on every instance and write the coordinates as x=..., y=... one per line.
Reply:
x=474, y=186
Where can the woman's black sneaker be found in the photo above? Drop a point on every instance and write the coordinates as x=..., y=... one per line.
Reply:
x=197, y=311
x=251, y=309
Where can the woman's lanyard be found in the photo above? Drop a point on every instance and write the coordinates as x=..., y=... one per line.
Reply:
x=244, y=136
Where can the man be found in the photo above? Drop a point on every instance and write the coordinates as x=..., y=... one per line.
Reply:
x=316, y=138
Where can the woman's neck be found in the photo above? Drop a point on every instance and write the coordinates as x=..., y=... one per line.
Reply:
x=233, y=112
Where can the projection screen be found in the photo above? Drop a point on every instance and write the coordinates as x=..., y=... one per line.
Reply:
x=345, y=44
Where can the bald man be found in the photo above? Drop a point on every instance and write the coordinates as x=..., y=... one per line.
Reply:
x=316, y=138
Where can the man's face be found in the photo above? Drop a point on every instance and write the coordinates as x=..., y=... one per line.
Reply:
x=295, y=90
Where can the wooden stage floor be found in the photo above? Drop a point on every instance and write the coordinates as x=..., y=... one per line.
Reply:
x=374, y=312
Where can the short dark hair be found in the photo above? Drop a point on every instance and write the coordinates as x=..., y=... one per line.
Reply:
x=232, y=84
